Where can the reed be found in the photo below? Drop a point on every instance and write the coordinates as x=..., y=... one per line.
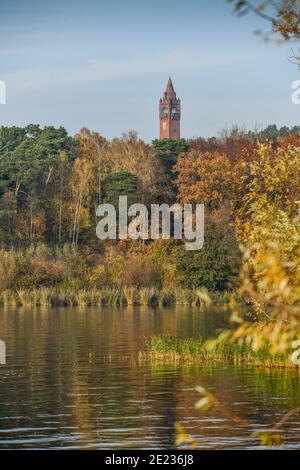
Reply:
x=58, y=296
x=148, y=296
x=131, y=296
x=170, y=350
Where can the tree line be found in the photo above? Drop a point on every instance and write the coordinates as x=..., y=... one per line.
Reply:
x=51, y=184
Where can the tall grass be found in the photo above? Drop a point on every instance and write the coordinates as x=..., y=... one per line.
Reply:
x=168, y=350
x=45, y=296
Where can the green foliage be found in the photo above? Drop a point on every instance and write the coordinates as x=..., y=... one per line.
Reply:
x=121, y=184
x=10, y=138
x=215, y=266
x=167, y=151
x=26, y=155
x=274, y=134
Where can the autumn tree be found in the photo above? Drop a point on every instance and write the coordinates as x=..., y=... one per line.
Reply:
x=92, y=146
x=273, y=187
x=203, y=178
x=130, y=154
x=207, y=178
x=231, y=142
x=268, y=225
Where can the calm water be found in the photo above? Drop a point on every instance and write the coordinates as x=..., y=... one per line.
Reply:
x=73, y=380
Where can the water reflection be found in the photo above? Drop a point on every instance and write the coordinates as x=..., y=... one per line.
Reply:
x=73, y=380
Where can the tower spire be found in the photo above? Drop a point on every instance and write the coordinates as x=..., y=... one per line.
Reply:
x=170, y=93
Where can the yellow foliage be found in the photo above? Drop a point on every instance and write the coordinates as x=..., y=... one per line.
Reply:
x=268, y=224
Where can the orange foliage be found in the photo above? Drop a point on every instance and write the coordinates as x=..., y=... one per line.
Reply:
x=203, y=178
x=292, y=140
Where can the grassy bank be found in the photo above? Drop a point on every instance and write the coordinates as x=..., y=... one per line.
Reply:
x=169, y=350
x=106, y=296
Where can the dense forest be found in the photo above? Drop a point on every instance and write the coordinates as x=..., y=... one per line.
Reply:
x=51, y=184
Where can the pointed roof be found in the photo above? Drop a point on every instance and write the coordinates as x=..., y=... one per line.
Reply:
x=170, y=92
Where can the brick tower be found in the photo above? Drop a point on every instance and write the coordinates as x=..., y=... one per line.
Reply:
x=169, y=114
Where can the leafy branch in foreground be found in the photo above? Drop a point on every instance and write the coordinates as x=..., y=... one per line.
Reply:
x=283, y=15
x=267, y=437
x=268, y=224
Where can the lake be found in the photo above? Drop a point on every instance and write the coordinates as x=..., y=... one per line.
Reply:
x=73, y=380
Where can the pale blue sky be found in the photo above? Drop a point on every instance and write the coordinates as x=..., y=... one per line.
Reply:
x=104, y=64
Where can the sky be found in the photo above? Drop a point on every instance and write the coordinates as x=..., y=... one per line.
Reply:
x=104, y=64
